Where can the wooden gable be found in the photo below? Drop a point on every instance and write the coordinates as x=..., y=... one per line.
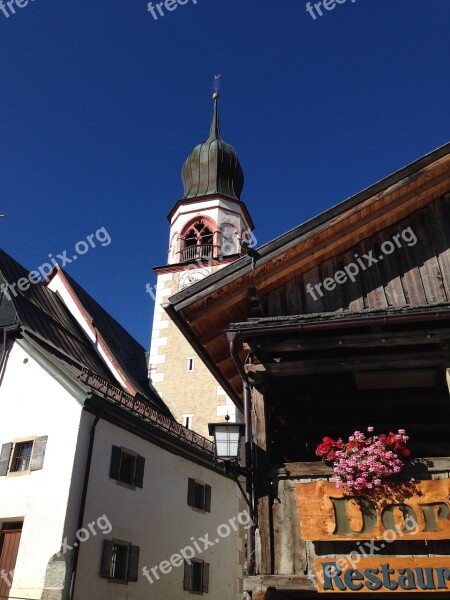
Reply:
x=406, y=264
x=417, y=197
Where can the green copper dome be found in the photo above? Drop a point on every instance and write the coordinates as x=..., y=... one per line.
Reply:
x=213, y=167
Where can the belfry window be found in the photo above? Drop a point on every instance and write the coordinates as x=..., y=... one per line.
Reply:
x=198, y=242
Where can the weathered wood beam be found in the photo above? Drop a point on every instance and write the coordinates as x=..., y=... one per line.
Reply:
x=279, y=582
x=349, y=364
x=431, y=428
x=439, y=464
x=385, y=339
x=262, y=483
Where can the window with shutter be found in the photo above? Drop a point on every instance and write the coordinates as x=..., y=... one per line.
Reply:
x=207, y=498
x=205, y=578
x=199, y=495
x=133, y=563
x=37, y=457
x=23, y=456
x=139, y=476
x=196, y=577
x=120, y=562
x=127, y=467
x=114, y=468
x=105, y=568
x=187, y=581
x=5, y=455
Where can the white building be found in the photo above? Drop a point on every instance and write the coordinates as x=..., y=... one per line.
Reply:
x=103, y=495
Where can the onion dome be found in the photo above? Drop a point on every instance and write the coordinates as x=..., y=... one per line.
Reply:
x=213, y=167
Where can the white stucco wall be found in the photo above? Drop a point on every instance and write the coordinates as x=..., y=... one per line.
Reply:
x=158, y=520
x=33, y=403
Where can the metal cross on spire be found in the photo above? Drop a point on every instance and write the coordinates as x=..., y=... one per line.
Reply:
x=217, y=83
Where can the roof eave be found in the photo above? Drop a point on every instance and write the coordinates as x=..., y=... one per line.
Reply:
x=267, y=252
x=204, y=356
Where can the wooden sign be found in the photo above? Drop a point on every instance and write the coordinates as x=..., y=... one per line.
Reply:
x=383, y=574
x=414, y=510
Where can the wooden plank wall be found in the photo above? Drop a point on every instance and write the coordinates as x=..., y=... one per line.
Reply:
x=292, y=556
x=410, y=275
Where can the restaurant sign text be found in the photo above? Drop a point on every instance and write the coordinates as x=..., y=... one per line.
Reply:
x=384, y=574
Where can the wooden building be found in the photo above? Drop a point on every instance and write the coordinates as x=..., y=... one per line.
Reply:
x=340, y=324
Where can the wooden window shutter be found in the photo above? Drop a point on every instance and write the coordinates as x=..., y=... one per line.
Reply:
x=208, y=498
x=114, y=470
x=105, y=569
x=187, y=582
x=5, y=455
x=191, y=492
x=37, y=458
x=205, y=578
x=133, y=563
x=139, y=475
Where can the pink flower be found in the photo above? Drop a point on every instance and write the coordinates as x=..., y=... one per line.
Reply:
x=363, y=462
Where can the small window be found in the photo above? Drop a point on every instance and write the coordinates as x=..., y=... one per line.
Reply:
x=187, y=420
x=196, y=577
x=199, y=495
x=120, y=561
x=127, y=467
x=23, y=456
x=190, y=365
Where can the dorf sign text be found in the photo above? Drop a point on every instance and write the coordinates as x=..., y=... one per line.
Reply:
x=328, y=514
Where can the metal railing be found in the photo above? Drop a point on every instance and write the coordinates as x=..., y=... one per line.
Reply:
x=199, y=251
x=145, y=412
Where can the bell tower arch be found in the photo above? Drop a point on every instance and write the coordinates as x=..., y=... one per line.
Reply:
x=207, y=227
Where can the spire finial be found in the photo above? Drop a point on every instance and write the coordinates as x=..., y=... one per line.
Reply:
x=214, y=132
x=216, y=85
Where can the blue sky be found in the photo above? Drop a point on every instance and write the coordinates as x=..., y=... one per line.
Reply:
x=100, y=104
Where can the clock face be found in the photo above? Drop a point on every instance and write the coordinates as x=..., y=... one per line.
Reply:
x=192, y=276
x=229, y=240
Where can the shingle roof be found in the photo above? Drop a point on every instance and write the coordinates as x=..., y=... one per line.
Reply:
x=43, y=316
x=128, y=353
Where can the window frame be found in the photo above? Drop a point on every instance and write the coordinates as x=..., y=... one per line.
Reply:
x=17, y=458
x=190, y=362
x=8, y=455
x=131, y=566
x=137, y=481
x=189, y=572
x=195, y=488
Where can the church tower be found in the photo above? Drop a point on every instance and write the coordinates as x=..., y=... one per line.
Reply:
x=207, y=229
